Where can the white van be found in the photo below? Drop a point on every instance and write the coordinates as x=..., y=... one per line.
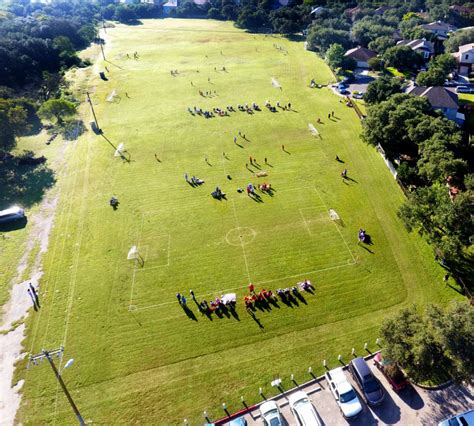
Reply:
x=12, y=214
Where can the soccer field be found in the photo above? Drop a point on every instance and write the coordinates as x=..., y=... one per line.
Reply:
x=138, y=356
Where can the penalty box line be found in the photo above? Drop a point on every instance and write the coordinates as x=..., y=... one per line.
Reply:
x=157, y=305
x=335, y=224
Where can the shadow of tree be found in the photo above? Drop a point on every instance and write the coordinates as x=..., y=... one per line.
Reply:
x=23, y=184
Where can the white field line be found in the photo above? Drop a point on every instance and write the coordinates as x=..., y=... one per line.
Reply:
x=335, y=224
x=305, y=223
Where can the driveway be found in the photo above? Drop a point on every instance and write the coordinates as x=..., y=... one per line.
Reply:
x=412, y=406
x=360, y=83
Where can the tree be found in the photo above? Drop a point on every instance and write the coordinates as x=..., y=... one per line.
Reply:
x=335, y=56
x=13, y=118
x=366, y=30
x=459, y=38
x=381, y=89
x=57, y=108
x=381, y=44
x=439, y=69
x=320, y=39
x=375, y=63
x=125, y=14
x=437, y=340
x=402, y=57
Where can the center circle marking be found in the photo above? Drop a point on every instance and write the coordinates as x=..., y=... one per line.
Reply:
x=240, y=236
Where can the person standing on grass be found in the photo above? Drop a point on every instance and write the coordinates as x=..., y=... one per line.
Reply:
x=178, y=296
x=186, y=177
x=191, y=292
x=235, y=139
x=183, y=300
x=251, y=288
x=283, y=147
x=32, y=299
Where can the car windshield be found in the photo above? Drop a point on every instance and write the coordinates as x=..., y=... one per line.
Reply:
x=348, y=396
x=275, y=421
x=302, y=401
x=371, y=386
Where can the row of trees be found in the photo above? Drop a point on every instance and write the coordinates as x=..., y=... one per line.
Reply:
x=432, y=155
x=432, y=342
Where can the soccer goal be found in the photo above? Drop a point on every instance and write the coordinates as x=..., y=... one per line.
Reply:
x=333, y=215
x=133, y=254
x=113, y=96
x=275, y=83
x=313, y=130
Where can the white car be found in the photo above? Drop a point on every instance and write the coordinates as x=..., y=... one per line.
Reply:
x=463, y=419
x=303, y=410
x=270, y=414
x=343, y=392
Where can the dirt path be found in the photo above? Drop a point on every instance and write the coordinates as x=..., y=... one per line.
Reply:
x=17, y=308
x=19, y=303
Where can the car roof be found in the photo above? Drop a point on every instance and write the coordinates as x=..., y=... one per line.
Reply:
x=361, y=366
x=296, y=396
x=11, y=210
x=268, y=405
x=339, y=378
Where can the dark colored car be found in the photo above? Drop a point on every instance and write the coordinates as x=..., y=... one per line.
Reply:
x=370, y=387
x=392, y=372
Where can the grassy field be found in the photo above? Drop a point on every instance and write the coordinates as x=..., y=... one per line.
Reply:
x=138, y=356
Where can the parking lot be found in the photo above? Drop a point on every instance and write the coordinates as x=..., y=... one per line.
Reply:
x=412, y=406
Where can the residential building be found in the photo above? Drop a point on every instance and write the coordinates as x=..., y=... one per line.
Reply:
x=422, y=46
x=439, y=28
x=440, y=98
x=461, y=10
x=361, y=55
x=465, y=58
x=381, y=10
x=169, y=6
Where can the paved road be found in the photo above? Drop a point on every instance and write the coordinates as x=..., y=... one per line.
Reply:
x=413, y=406
x=360, y=83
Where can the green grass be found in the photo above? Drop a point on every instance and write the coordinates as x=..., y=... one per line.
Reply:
x=465, y=98
x=138, y=357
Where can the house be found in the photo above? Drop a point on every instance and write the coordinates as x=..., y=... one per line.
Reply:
x=317, y=11
x=381, y=10
x=465, y=58
x=461, y=10
x=439, y=28
x=422, y=46
x=439, y=98
x=361, y=55
x=169, y=6
x=352, y=13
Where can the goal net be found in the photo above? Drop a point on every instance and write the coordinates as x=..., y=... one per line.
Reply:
x=333, y=215
x=132, y=253
x=313, y=130
x=275, y=83
x=119, y=151
x=112, y=96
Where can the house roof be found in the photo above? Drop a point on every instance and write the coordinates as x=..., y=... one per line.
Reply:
x=438, y=26
x=460, y=9
x=316, y=10
x=438, y=96
x=465, y=48
x=419, y=43
x=382, y=9
x=360, y=54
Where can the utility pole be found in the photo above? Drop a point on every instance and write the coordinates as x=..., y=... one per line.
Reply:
x=102, y=50
x=48, y=355
x=92, y=109
x=103, y=26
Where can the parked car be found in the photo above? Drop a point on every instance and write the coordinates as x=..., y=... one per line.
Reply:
x=392, y=372
x=369, y=386
x=303, y=409
x=239, y=421
x=270, y=414
x=464, y=89
x=357, y=95
x=12, y=214
x=343, y=392
x=463, y=419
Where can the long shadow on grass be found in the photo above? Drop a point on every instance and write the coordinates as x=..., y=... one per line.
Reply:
x=23, y=184
x=189, y=313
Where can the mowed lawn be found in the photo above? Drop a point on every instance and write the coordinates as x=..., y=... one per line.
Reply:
x=138, y=356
